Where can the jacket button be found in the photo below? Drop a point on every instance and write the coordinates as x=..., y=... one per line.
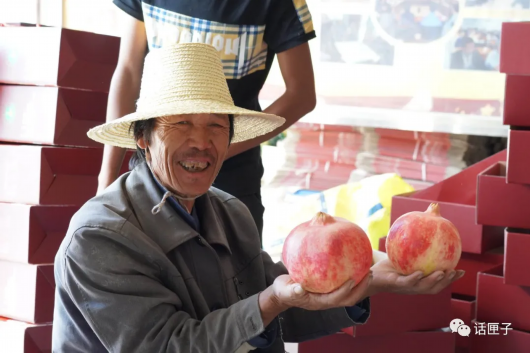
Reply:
x=200, y=241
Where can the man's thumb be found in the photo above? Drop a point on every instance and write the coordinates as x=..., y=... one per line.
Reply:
x=297, y=290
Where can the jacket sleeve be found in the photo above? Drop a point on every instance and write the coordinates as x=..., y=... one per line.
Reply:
x=122, y=298
x=299, y=325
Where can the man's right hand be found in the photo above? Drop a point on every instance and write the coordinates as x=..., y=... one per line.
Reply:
x=291, y=294
x=284, y=293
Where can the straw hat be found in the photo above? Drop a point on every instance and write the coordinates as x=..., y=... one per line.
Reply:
x=184, y=78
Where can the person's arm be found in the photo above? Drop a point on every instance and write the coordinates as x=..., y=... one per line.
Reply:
x=119, y=292
x=297, y=100
x=124, y=87
x=289, y=28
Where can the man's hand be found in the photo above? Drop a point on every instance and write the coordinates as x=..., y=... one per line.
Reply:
x=291, y=294
x=388, y=279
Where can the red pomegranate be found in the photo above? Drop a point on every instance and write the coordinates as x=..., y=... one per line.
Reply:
x=325, y=252
x=423, y=241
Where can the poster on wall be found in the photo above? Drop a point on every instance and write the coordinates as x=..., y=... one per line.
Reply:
x=437, y=56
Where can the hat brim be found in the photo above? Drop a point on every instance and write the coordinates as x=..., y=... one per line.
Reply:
x=248, y=124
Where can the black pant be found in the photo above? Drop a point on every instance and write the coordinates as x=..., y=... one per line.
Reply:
x=253, y=203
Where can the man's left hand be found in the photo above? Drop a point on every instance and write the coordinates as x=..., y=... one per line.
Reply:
x=387, y=279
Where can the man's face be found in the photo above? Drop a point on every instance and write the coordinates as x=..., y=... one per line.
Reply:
x=469, y=48
x=186, y=151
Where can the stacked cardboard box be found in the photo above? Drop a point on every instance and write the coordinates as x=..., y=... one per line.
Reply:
x=319, y=156
x=503, y=200
x=53, y=88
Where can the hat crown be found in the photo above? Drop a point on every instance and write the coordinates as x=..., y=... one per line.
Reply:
x=182, y=72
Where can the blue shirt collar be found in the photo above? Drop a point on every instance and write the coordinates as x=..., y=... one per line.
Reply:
x=192, y=219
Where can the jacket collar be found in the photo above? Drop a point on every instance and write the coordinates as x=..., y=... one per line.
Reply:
x=167, y=228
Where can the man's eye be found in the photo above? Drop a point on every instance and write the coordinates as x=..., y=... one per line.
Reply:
x=182, y=123
x=217, y=125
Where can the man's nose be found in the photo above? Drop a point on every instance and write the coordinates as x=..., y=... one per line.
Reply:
x=200, y=138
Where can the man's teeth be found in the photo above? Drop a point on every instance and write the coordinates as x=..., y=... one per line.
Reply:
x=194, y=166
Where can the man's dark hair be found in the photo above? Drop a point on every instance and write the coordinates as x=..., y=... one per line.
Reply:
x=144, y=128
x=467, y=40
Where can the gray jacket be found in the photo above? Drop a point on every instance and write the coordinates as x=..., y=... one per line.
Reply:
x=130, y=281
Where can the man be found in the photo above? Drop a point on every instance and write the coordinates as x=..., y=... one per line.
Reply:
x=467, y=58
x=248, y=34
x=161, y=261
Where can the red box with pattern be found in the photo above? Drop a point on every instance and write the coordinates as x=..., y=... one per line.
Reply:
x=517, y=171
x=50, y=56
x=27, y=292
x=516, y=111
x=50, y=115
x=517, y=259
x=513, y=342
x=515, y=52
x=32, y=234
x=48, y=175
x=21, y=337
x=500, y=203
x=502, y=303
x=409, y=342
x=393, y=313
x=463, y=308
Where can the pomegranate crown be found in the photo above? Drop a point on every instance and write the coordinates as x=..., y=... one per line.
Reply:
x=322, y=218
x=433, y=209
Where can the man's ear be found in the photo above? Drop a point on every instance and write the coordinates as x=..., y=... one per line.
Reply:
x=141, y=143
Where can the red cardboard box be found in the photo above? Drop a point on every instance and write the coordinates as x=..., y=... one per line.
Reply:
x=499, y=203
x=48, y=175
x=516, y=102
x=502, y=303
x=50, y=115
x=125, y=165
x=393, y=313
x=515, y=53
x=517, y=259
x=474, y=264
x=21, y=337
x=32, y=234
x=518, y=156
x=409, y=342
x=49, y=56
x=513, y=342
x=27, y=292
x=456, y=196
x=463, y=308
x=382, y=244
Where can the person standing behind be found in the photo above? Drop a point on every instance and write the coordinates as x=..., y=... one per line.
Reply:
x=248, y=35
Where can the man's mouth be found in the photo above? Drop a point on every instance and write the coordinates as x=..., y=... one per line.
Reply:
x=194, y=166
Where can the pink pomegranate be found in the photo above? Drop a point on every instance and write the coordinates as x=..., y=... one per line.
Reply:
x=423, y=241
x=325, y=252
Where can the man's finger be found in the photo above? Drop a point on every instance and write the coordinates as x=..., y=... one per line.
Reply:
x=450, y=277
x=340, y=295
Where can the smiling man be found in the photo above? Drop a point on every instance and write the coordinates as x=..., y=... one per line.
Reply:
x=163, y=262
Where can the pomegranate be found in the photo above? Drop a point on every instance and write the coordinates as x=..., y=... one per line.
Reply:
x=423, y=241
x=324, y=253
